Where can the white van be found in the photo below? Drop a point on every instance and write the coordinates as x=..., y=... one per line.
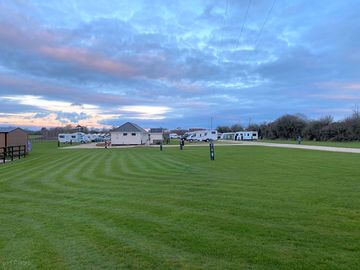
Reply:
x=173, y=136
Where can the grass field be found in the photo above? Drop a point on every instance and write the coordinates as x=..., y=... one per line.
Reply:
x=139, y=208
x=352, y=144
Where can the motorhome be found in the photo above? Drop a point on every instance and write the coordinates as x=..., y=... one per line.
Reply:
x=77, y=137
x=64, y=138
x=246, y=136
x=202, y=135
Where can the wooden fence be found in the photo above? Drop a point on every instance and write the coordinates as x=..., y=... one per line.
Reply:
x=12, y=152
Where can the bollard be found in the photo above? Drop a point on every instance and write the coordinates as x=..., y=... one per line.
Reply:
x=212, y=153
x=161, y=147
x=58, y=143
x=181, y=145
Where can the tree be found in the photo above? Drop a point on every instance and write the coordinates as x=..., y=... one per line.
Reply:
x=236, y=128
x=223, y=129
x=289, y=126
x=314, y=129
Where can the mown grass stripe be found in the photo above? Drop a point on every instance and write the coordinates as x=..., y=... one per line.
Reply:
x=139, y=208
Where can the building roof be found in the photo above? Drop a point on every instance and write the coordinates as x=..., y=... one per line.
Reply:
x=156, y=130
x=7, y=129
x=178, y=131
x=129, y=127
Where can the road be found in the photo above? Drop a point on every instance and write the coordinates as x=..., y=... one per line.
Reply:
x=234, y=143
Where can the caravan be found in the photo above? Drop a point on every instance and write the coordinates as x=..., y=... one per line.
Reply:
x=64, y=138
x=246, y=136
x=202, y=135
x=77, y=137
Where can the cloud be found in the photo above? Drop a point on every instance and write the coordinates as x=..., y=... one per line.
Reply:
x=52, y=105
x=355, y=85
x=176, y=63
x=71, y=117
x=145, y=112
x=88, y=60
x=55, y=112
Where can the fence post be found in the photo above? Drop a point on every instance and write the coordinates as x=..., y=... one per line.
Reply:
x=4, y=154
x=24, y=150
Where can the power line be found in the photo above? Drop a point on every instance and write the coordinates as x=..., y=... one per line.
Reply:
x=224, y=21
x=263, y=25
x=243, y=25
x=262, y=28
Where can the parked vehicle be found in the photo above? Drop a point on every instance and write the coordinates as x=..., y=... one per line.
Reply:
x=77, y=137
x=246, y=136
x=173, y=136
x=64, y=138
x=202, y=135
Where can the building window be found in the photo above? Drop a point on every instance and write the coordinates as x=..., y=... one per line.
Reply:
x=133, y=134
x=124, y=134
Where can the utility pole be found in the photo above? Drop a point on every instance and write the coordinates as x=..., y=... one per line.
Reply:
x=211, y=122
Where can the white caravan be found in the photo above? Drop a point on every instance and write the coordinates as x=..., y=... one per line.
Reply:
x=203, y=135
x=246, y=136
x=77, y=137
x=64, y=138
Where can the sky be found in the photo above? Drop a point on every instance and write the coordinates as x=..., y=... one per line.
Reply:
x=176, y=63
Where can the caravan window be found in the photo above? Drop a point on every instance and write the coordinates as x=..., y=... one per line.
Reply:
x=133, y=134
x=254, y=134
x=62, y=136
x=124, y=134
x=73, y=136
x=213, y=132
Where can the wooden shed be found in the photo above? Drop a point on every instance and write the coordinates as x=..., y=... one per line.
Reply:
x=13, y=137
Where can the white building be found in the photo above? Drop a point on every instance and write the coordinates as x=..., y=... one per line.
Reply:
x=156, y=135
x=129, y=133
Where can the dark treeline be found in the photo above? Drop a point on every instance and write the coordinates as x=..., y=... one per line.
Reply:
x=291, y=126
x=53, y=132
